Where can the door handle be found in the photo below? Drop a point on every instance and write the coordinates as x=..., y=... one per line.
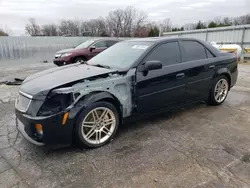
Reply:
x=211, y=67
x=180, y=75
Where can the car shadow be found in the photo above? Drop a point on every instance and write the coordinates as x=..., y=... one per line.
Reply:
x=128, y=127
x=157, y=118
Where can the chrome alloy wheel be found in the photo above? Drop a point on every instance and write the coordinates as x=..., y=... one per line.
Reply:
x=221, y=90
x=98, y=125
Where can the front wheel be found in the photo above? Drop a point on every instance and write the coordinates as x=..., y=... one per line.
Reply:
x=97, y=124
x=80, y=60
x=219, y=91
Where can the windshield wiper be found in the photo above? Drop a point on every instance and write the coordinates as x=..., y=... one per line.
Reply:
x=103, y=66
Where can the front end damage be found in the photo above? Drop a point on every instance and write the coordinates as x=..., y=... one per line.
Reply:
x=57, y=113
x=116, y=84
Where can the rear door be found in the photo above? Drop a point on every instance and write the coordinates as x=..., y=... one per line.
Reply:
x=162, y=88
x=200, y=70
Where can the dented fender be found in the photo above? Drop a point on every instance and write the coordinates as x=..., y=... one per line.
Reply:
x=118, y=87
x=96, y=96
x=89, y=99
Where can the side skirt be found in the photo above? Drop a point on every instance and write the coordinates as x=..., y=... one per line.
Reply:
x=137, y=116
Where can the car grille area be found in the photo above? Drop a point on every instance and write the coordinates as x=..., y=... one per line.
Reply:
x=22, y=103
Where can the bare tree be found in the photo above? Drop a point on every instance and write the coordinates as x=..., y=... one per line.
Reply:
x=246, y=19
x=101, y=26
x=69, y=28
x=189, y=26
x=124, y=22
x=166, y=25
x=49, y=30
x=63, y=28
x=127, y=22
x=114, y=20
x=95, y=27
x=140, y=19
x=236, y=21
x=242, y=20
x=142, y=31
x=85, y=28
x=121, y=22
x=227, y=21
x=3, y=32
x=218, y=20
x=32, y=28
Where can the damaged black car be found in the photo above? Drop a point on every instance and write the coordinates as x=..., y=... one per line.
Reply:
x=134, y=78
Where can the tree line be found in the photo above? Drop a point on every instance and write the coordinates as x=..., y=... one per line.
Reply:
x=3, y=32
x=219, y=22
x=127, y=22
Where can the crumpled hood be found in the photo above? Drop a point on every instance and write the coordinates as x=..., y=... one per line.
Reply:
x=41, y=83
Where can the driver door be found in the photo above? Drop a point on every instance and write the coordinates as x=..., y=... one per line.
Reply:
x=97, y=48
x=165, y=87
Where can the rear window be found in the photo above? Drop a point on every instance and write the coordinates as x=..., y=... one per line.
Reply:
x=192, y=50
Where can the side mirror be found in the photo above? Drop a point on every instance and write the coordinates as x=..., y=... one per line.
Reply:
x=92, y=48
x=152, y=65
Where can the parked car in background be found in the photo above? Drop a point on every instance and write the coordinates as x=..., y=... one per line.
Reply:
x=130, y=79
x=83, y=52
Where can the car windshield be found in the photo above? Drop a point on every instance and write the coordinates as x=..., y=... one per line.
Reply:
x=85, y=44
x=121, y=55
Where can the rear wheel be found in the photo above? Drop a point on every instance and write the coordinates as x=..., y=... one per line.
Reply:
x=97, y=124
x=219, y=91
x=79, y=60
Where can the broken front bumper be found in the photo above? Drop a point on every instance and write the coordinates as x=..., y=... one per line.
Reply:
x=54, y=133
x=21, y=128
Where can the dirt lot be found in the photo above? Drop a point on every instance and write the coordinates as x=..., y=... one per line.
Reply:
x=199, y=146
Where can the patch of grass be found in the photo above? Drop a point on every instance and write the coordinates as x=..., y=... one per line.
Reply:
x=246, y=158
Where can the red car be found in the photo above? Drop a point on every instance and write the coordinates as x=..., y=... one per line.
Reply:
x=83, y=52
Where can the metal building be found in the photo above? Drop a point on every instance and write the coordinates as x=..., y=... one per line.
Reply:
x=222, y=35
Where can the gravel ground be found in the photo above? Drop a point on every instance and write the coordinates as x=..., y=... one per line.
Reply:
x=199, y=146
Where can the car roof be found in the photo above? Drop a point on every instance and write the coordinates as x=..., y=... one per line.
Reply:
x=160, y=39
x=100, y=39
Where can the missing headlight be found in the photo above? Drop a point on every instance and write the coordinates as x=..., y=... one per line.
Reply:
x=55, y=104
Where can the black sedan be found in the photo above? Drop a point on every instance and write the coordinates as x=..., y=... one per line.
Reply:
x=133, y=78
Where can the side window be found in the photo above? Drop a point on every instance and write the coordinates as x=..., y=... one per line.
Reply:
x=192, y=50
x=100, y=44
x=168, y=54
x=209, y=55
x=111, y=43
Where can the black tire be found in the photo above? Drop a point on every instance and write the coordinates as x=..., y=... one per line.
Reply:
x=211, y=99
x=79, y=59
x=78, y=131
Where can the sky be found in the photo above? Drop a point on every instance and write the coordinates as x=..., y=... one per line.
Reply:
x=14, y=14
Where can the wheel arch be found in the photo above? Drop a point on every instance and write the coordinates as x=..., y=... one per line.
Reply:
x=94, y=97
x=78, y=56
x=225, y=72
